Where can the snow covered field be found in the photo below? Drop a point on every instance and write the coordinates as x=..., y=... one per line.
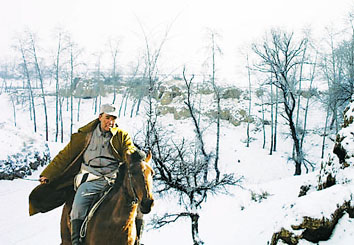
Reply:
x=224, y=219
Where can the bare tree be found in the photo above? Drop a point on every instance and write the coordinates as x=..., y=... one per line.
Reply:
x=345, y=59
x=24, y=55
x=151, y=71
x=276, y=119
x=331, y=68
x=124, y=97
x=181, y=169
x=14, y=97
x=337, y=67
x=300, y=80
x=57, y=88
x=74, y=56
x=271, y=116
x=7, y=71
x=282, y=56
x=260, y=94
x=97, y=82
x=304, y=131
x=33, y=49
x=64, y=65
x=215, y=50
x=114, y=49
x=249, y=103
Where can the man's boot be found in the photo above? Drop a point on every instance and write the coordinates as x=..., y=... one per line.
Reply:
x=75, y=231
x=139, y=223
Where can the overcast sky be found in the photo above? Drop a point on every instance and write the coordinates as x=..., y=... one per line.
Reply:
x=239, y=22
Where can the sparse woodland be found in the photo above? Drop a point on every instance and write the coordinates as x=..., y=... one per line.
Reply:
x=288, y=73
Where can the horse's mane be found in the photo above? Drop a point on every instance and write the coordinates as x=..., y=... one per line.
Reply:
x=120, y=178
x=137, y=156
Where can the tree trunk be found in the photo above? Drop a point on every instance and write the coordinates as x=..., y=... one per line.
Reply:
x=100, y=101
x=218, y=99
x=121, y=104
x=272, y=118
x=263, y=126
x=298, y=158
x=217, y=147
x=32, y=105
x=335, y=82
x=249, y=105
x=325, y=131
x=57, y=91
x=71, y=91
x=125, y=104
x=61, y=120
x=307, y=106
x=14, y=108
x=42, y=87
x=78, y=109
x=195, y=229
x=132, y=108
x=138, y=106
x=299, y=89
x=114, y=94
x=198, y=131
x=276, y=119
x=95, y=105
x=4, y=86
x=114, y=53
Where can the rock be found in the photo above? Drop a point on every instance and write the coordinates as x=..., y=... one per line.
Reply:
x=166, y=95
x=342, y=150
x=182, y=113
x=231, y=93
x=166, y=98
x=164, y=110
x=205, y=89
x=21, y=165
x=303, y=190
x=314, y=230
x=286, y=236
x=334, y=172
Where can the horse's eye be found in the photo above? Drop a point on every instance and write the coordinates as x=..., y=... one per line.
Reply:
x=152, y=173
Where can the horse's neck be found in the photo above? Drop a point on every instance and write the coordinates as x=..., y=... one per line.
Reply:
x=119, y=215
x=123, y=205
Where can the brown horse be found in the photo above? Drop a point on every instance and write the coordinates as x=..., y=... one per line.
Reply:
x=114, y=220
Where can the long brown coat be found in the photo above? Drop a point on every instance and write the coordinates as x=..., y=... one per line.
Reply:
x=63, y=168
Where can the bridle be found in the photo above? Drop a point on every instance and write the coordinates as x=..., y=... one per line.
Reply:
x=131, y=186
x=135, y=201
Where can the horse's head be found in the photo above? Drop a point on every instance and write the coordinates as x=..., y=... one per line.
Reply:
x=141, y=180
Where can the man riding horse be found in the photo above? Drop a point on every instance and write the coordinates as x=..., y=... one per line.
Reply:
x=88, y=164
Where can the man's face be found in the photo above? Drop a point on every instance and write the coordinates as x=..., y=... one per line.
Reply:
x=107, y=121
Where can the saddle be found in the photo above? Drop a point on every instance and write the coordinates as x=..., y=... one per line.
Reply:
x=113, y=182
x=95, y=204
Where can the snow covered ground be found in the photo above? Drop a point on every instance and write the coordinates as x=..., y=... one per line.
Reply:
x=224, y=219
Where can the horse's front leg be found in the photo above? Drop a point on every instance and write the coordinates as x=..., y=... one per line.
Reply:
x=65, y=222
x=139, y=224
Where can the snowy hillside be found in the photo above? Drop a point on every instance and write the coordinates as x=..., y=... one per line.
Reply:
x=24, y=152
x=266, y=203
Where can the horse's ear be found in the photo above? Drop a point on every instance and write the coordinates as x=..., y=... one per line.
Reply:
x=148, y=157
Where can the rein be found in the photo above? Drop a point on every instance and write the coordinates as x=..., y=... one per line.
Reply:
x=83, y=229
x=135, y=200
x=135, y=197
x=28, y=179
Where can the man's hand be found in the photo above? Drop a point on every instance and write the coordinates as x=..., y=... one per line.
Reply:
x=43, y=180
